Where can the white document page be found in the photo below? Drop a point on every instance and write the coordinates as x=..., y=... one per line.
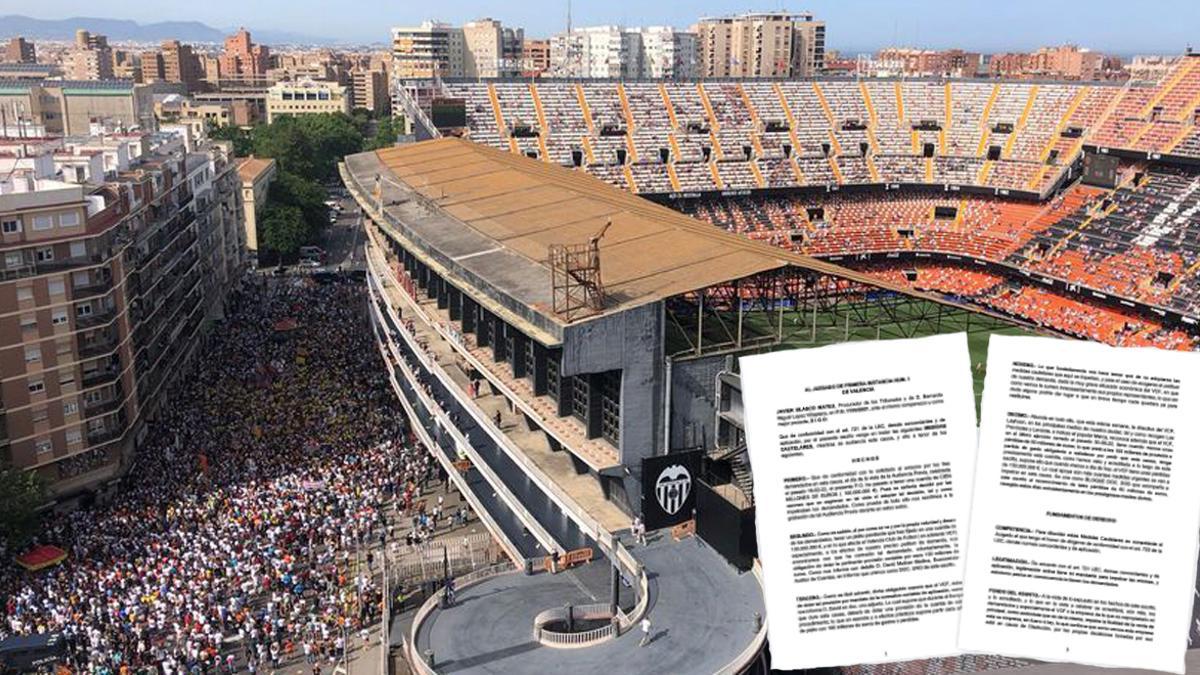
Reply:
x=1083, y=534
x=862, y=455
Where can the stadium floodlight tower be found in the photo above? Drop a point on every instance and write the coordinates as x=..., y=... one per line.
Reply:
x=575, y=276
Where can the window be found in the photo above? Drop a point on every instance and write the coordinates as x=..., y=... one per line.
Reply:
x=69, y=219
x=25, y=293
x=74, y=436
x=70, y=407
x=44, y=445
x=13, y=259
x=45, y=254
x=56, y=287
x=37, y=387
x=79, y=279
x=29, y=322
x=65, y=347
x=11, y=226
x=33, y=353
x=78, y=249
x=43, y=222
x=84, y=310
x=58, y=317
x=66, y=377
x=94, y=396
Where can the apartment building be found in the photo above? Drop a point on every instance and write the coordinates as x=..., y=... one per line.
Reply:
x=667, y=53
x=20, y=50
x=103, y=290
x=430, y=50
x=491, y=50
x=596, y=52
x=70, y=107
x=535, y=57
x=1066, y=62
x=91, y=58
x=370, y=90
x=256, y=175
x=767, y=44
x=242, y=60
x=306, y=97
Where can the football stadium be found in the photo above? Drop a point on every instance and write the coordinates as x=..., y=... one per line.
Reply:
x=563, y=274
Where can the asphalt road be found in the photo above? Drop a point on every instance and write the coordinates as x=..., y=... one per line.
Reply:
x=343, y=240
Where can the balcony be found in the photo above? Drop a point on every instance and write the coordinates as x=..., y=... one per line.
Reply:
x=94, y=319
x=99, y=377
x=91, y=290
x=101, y=408
x=88, y=350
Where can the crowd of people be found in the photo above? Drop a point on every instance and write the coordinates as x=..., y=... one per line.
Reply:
x=242, y=537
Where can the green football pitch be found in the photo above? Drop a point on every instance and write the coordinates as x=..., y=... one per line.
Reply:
x=870, y=321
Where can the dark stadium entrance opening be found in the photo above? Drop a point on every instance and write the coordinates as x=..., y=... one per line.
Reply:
x=531, y=154
x=1002, y=128
x=910, y=275
x=905, y=232
x=1052, y=158
x=854, y=125
x=815, y=213
x=612, y=130
x=1163, y=279
x=697, y=128
x=787, y=149
x=576, y=158
x=521, y=130
x=664, y=155
x=747, y=153
x=945, y=212
x=706, y=152
x=993, y=153
x=621, y=156
x=796, y=237
x=864, y=148
x=927, y=125
x=826, y=149
x=1072, y=132
x=776, y=126
x=929, y=150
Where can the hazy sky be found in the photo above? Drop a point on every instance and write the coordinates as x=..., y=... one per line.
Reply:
x=1125, y=26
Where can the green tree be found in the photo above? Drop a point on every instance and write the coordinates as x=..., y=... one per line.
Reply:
x=387, y=131
x=283, y=229
x=288, y=144
x=21, y=493
x=289, y=189
x=243, y=139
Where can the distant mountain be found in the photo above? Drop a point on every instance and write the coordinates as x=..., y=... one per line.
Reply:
x=121, y=29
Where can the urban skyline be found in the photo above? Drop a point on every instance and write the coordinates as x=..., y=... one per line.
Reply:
x=930, y=24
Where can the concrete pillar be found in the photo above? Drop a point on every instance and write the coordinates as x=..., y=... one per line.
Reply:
x=455, y=304
x=469, y=315
x=517, y=358
x=499, y=344
x=540, y=387
x=593, y=405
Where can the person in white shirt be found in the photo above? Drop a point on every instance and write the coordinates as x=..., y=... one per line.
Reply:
x=645, y=632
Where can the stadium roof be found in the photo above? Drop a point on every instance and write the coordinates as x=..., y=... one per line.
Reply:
x=495, y=215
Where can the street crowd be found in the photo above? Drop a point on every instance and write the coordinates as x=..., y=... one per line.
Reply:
x=242, y=537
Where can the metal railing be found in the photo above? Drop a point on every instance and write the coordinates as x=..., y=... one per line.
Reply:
x=415, y=658
x=592, y=612
x=447, y=424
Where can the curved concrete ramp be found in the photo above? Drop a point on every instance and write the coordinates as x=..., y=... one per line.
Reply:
x=702, y=612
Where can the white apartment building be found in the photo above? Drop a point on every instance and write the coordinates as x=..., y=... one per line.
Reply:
x=667, y=53
x=617, y=52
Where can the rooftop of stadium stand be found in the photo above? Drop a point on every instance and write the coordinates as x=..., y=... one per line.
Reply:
x=495, y=216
